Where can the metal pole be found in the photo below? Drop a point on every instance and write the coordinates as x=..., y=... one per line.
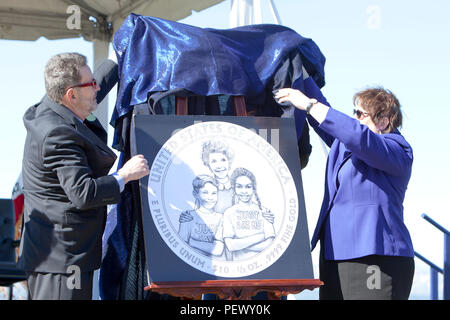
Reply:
x=435, y=224
x=10, y=292
x=274, y=10
x=101, y=53
x=433, y=284
x=446, y=266
x=101, y=49
x=446, y=270
x=257, y=12
x=242, y=13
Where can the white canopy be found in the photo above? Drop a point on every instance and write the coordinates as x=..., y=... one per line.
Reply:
x=31, y=19
x=94, y=20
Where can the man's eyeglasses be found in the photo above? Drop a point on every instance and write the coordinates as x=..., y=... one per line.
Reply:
x=360, y=114
x=87, y=84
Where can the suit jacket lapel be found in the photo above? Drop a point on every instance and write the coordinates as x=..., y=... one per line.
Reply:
x=96, y=127
x=91, y=136
x=72, y=119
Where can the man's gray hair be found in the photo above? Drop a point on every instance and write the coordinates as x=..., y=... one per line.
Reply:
x=61, y=72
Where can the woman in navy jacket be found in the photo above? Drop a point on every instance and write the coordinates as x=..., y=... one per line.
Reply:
x=366, y=249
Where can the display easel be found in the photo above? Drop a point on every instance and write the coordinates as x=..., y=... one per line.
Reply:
x=234, y=289
x=230, y=289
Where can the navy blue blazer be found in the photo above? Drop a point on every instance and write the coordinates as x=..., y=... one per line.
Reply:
x=367, y=176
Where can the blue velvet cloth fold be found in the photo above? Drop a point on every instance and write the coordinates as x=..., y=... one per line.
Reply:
x=159, y=55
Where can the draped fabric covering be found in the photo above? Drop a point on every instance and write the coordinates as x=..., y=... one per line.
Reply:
x=157, y=56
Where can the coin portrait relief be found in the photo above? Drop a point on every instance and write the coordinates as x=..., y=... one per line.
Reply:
x=222, y=199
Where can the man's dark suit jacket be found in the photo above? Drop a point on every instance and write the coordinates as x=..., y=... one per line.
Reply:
x=66, y=185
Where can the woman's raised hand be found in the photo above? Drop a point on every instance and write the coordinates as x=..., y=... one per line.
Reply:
x=296, y=97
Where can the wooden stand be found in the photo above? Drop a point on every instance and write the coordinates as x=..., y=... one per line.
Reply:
x=234, y=289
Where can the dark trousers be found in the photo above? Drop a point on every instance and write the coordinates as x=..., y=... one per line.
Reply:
x=57, y=286
x=372, y=277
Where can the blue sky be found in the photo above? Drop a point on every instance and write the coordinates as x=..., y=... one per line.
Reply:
x=401, y=45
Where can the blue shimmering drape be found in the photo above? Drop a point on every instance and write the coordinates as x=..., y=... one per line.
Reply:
x=156, y=55
x=159, y=55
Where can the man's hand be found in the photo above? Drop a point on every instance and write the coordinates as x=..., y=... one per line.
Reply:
x=134, y=169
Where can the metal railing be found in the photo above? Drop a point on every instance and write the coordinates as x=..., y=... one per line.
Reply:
x=434, y=269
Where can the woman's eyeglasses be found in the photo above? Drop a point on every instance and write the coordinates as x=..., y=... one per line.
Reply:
x=360, y=114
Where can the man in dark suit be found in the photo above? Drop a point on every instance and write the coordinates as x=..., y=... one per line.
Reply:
x=66, y=182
